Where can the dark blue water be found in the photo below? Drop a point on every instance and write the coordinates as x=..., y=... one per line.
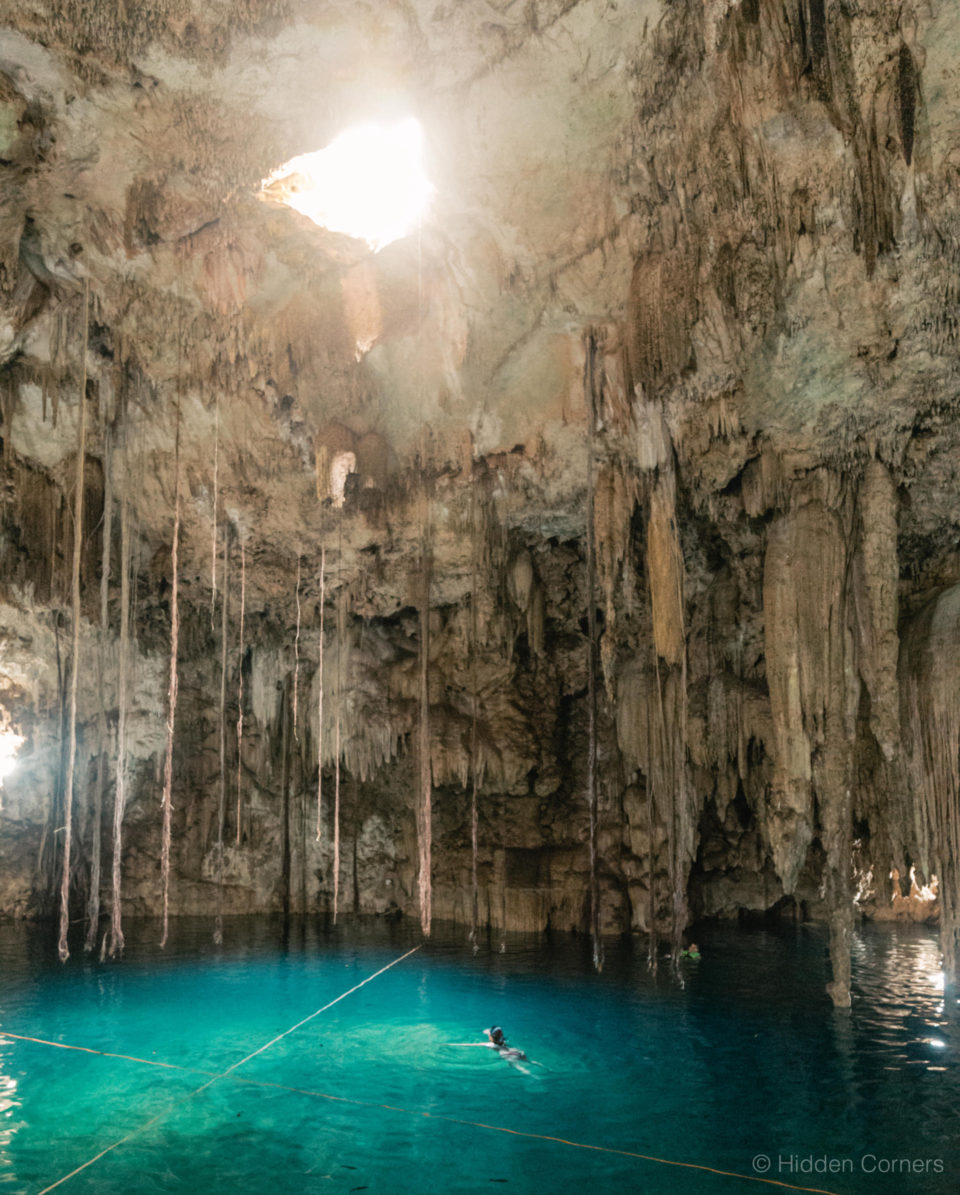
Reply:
x=739, y=1064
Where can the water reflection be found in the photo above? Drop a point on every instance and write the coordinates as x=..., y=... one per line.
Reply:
x=10, y=1119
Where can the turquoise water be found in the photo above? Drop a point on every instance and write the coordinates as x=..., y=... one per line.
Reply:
x=741, y=1056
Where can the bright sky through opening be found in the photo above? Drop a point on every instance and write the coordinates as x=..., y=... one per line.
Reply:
x=10, y=744
x=368, y=182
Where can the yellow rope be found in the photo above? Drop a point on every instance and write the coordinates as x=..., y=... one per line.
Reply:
x=59, y=1045
x=477, y=1124
x=342, y=1099
x=209, y=1083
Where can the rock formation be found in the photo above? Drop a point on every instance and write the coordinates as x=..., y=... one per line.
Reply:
x=687, y=290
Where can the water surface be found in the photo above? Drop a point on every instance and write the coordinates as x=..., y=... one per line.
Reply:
x=737, y=1064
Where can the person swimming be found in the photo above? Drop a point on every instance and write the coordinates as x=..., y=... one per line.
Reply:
x=496, y=1041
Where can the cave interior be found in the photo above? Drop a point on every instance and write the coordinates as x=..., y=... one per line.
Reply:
x=581, y=554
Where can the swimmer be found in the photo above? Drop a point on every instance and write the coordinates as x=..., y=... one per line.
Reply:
x=496, y=1041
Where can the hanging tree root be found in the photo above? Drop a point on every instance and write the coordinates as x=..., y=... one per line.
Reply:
x=296, y=659
x=424, y=803
x=222, y=804
x=243, y=601
x=62, y=949
x=119, y=800
x=93, y=904
x=592, y=391
x=172, y=692
x=323, y=561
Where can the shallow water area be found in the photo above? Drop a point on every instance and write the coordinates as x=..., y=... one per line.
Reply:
x=318, y=1058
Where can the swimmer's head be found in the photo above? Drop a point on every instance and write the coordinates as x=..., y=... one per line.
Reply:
x=496, y=1035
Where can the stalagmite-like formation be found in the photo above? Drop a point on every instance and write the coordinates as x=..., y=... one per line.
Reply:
x=62, y=948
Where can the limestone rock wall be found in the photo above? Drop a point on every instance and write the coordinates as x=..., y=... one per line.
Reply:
x=690, y=282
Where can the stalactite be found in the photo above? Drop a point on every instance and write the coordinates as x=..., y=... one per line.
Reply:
x=665, y=715
x=296, y=658
x=930, y=714
x=323, y=563
x=243, y=604
x=591, y=389
x=813, y=694
x=222, y=804
x=216, y=503
x=173, y=687
x=62, y=949
x=93, y=905
x=119, y=800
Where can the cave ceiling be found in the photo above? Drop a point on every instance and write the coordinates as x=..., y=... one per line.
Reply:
x=757, y=217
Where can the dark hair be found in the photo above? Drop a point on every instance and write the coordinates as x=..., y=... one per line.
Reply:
x=496, y=1035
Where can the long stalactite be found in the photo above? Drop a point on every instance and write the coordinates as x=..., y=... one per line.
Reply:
x=62, y=948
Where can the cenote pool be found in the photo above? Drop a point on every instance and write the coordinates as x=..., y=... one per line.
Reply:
x=741, y=1065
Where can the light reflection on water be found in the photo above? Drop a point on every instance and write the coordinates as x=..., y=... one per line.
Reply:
x=745, y=1056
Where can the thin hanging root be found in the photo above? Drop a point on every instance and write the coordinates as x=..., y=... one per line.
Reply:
x=336, y=815
x=296, y=658
x=424, y=804
x=116, y=932
x=93, y=905
x=474, y=762
x=243, y=599
x=591, y=388
x=216, y=501
x=341, y=629
x=172, y=693
x=62, y=949
x=323, y=562
x=222, y=806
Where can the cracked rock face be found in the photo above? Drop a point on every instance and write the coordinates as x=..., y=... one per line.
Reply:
x=711, y=246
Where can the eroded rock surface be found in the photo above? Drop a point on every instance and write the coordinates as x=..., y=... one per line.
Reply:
x=713, y=245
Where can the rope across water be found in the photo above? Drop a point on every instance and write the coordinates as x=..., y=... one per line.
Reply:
x=213, y=1077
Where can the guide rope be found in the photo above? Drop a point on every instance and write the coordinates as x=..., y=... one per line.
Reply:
x=341, y=1099
x=220, y=1075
